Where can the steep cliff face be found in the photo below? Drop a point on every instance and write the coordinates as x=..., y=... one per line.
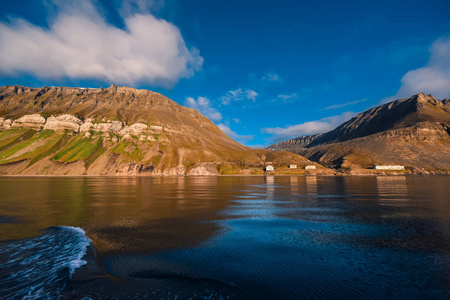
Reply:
x=295, y=144
x=413, y=132
x=113, y=131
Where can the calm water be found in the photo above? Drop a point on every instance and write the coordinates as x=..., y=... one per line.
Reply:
x=225, y=238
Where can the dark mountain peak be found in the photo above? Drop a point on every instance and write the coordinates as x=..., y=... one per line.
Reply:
x=400, y=113
x=397, y=114
x=414, y=132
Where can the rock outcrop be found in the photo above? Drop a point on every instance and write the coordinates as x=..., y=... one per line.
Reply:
x=5, y=124
x=34, y=121
x=63, y=122
x=70, y=122
x=134, y=129
x=209, y=169
x=110, y=126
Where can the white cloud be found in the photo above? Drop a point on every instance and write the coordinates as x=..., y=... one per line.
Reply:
x=236, y=120
x=251, y=94
x=80, y=44
x=238, y=95
x=203, y=105
x=271, y=77
x=434, y=78
x=234, y=135
x=337, y=106
x=307, y=128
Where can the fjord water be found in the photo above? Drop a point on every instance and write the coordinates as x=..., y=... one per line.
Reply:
x=225, y=237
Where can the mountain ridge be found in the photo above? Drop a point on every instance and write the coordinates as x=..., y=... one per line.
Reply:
x=412, y=131
x=116, y=131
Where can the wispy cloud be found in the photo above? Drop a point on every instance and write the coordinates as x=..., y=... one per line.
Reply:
x=307, y=128
x=80, y=44
x=238, y=95
x=251, y=94
x=271, y=77
x=240, y=138
x=433, y=78
x=286, y=98
x=203, y=105
x=337, y=106
x=257, y=146
x=131, y=7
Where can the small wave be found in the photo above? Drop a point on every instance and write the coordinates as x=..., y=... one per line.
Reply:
x=41, y=267
x=9, y=219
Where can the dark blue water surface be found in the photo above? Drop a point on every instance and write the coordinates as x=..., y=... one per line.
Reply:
x=248, y=237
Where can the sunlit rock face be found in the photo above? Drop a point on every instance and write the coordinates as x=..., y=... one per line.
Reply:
x=111, y=126
x=135, y=129
x=63, y=122
x=5, y=124
x=35, y=121
x=70, y=122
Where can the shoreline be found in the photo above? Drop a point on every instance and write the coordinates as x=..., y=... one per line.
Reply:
x=225, y=175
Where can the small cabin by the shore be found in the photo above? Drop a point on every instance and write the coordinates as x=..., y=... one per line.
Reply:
x=269, y=168
x=292, y=166
x=389, y=167
x=310, y=167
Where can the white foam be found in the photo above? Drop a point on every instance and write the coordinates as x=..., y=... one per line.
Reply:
x=43, y=261
x=77, y=229
x=84, y=243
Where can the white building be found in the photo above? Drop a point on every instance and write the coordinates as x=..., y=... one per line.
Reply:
x=269, y=168
x=292, y=166
x=389, y=167
x=310, y=167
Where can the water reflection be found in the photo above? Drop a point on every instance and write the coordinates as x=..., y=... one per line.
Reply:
x=311, y=185
x=270, y=186
x=115, y=211
x=393, y=187
x=294, y=184
x=287, y=237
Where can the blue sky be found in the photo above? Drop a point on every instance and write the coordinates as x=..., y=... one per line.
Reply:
x=263, y=71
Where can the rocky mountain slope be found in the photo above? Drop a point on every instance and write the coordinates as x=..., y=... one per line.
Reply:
x=113, y=131
x=413, y=132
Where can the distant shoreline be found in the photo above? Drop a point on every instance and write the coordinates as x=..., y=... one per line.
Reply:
x=227, y=175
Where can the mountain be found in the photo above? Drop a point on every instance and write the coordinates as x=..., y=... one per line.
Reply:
x=413, y=132
x=113, y=131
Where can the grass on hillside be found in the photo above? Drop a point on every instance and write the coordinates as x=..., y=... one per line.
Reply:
x=54, y=142
x=155, y=160
x=7, y=133
x=79, y=148
x=230, y=169
x=27, y=142
x=12, y=137
x=96, y=154
x=130, y=151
